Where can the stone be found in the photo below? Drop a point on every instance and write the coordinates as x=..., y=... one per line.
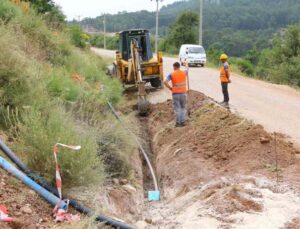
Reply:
x=31, y=192
x=141, y=224
x=26, y=209
x=41, y=220
x=264, y=140
x=123, y=181
x=148, y=220
x=129, y=188
x=17, y=213
x=116, y=181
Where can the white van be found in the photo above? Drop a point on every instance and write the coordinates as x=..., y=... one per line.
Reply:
x=193, y=55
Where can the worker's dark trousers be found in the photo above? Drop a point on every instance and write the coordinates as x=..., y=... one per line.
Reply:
x=180, y=107
x=225, y=92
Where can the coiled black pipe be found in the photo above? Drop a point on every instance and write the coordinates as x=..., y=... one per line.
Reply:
x=41, y=181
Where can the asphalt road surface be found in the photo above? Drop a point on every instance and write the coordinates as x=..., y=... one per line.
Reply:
x=276, y=107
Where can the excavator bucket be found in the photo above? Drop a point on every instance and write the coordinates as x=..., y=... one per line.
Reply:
x=143, y=103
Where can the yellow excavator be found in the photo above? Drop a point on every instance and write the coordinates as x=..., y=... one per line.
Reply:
x=136, y=65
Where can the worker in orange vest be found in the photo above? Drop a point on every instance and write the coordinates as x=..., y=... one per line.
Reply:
x=179, y=92
x=225, y=79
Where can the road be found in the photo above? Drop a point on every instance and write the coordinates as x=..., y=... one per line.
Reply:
x=276, y=107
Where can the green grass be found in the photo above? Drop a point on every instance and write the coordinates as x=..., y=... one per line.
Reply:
x=39, y=131
x=53, y=92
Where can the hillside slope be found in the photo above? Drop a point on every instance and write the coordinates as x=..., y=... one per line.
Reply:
x=52, y=91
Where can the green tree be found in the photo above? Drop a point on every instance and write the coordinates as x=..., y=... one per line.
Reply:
x=78, y=37
x=184, y=31
x=281, y=63
x=43, y=6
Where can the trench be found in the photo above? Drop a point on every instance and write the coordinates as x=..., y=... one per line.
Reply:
x=206, y=182
x=148, y=184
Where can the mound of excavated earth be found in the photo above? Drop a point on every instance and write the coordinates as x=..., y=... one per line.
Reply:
x=220, y=171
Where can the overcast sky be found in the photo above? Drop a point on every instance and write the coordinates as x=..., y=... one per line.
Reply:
x=92, y=8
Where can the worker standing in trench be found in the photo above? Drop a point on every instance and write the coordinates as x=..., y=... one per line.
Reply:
x=225, y=79
x=179, y=91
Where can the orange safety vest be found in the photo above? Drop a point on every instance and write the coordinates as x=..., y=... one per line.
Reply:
x=223, y=77
x=179, y=84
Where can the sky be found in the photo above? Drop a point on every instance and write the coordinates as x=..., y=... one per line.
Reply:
x=92, y=8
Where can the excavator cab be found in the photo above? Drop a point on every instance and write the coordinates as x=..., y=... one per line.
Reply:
x=135, y=64
x=142, y=38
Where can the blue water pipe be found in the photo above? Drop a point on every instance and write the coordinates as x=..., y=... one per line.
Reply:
x=52, y=199
x=42, y=182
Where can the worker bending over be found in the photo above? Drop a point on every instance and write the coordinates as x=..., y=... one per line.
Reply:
x=225, y=79
x=179, y=92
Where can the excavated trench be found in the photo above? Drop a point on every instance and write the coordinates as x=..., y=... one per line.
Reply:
x=148, y=183
x=217, y=172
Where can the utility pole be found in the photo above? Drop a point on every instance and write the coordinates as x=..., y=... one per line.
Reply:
x=104, y=31
x=201, y=23
x=79, y=18
x=157, y=25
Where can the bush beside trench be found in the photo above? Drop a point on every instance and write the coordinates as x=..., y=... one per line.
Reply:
x=52, y=91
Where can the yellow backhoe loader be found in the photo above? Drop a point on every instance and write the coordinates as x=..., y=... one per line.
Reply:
x=135, y=64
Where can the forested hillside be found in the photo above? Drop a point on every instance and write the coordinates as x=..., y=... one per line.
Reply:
x=234, y=26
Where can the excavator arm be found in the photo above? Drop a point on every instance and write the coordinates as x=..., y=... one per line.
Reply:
x=135, y=69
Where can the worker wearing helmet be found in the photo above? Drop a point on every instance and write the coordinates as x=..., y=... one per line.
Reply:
x=179, y=90
x=225, y=79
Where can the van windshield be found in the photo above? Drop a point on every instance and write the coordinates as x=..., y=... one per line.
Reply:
x=196, y=50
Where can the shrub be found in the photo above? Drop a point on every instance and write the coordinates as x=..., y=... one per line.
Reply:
x=39, y=131
x=91, y=68
x=61, y=85
x=280, y=64
x=8, y=11
x=15, y=70
x=43, y=103
x=165, y=46
x=115, y=148
x=213, y=54
x=78, y=37
x=245, y=67
x=112, y=43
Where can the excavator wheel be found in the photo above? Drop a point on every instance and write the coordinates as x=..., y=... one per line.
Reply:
x=156, y=82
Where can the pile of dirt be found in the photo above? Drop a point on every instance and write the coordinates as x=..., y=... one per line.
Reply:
x=220, y=170
x=215, y=142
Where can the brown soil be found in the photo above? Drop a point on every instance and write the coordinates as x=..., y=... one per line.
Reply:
x=215, y=144
x=295, y=224
x=14, y=195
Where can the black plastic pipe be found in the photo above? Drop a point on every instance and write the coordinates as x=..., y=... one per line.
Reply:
x=41, y=181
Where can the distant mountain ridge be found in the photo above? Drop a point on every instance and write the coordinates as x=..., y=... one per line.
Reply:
x=229, y=22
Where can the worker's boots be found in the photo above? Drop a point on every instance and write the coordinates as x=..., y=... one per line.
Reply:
x=225, y=104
